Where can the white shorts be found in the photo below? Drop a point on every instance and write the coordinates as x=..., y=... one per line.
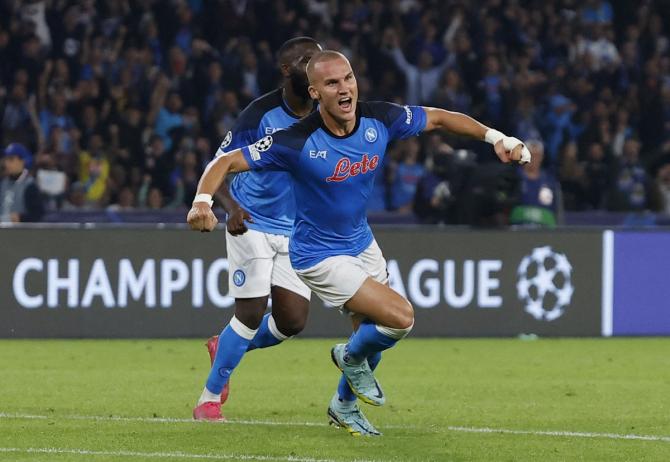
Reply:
x=257, y=261
x=336, y=279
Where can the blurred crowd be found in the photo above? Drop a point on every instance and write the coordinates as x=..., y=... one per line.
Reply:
x=120, y=104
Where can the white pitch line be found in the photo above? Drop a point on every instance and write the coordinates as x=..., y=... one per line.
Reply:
x=159, y=420
x=558, y=433
x=169, y=455
x=614, y=436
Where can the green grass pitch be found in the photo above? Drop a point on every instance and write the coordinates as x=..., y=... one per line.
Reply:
x=447, y=400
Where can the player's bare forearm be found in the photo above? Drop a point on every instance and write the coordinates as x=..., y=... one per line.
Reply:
x=454, y=122
x=201, y=217
x=507, y=148
x=237, y=216
x=217, y=170
x=227, y=200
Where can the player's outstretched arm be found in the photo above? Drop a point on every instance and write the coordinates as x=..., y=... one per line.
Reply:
x=201, y=217
x=507, y=148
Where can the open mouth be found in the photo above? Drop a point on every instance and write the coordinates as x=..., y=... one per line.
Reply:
x=345, y=103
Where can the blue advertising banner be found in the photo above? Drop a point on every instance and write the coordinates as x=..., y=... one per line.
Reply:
x=641, y=283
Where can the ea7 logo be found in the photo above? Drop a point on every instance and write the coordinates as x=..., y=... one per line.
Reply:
x=408, y=111
x=271, y=130
x=313, y=154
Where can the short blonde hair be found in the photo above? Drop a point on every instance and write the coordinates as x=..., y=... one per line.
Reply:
x=321, y=56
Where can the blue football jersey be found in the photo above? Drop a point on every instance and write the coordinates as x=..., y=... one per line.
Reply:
x=333, y=176
x=267, y=196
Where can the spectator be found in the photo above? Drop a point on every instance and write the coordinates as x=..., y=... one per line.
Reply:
x=434, y=199
x=540, y=203
x=169, y=116
x=527, y=125
x=94, y=171
x=56, y=116
x=493, y=87
x=601, y=50
x=186, y=176
x=572, y=178
x=379, y=196
x=250, y=89
x=596, y=169
x=623, y=131
x=597, y=11
x=158, y=165
x=558, y=120
x=214, y=86
x=663, y=180
x=421, y=81
x=632, y=189
x=20, y=199
x=451, y=95
x=125, y=202
x=76, y=198
x=405, y=176
x=19, y=121
x=129, y=138
x=35, y=13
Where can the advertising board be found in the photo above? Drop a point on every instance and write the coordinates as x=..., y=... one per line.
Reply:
x=120, y=282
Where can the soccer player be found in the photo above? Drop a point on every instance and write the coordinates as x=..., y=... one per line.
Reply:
x=260, y=217
x=332, y=156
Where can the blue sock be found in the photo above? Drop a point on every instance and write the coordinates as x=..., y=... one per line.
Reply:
x=366, y=341
x=233, y=343
x=344, y=390
x=267, y=335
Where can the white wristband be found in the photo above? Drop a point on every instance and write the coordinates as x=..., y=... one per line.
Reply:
x=207, y=198
x=492, y=136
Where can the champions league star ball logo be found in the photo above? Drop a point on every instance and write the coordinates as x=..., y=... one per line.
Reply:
x=227, y=140
x=263, y=144
x=259, y=146
x=545, y=284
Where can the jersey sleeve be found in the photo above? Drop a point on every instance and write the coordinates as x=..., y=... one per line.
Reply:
x=402, y=121
x=272, y=152
x=243, y=133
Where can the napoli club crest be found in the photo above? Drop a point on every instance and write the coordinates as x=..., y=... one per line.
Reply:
x=371, y=135
x=239, y=277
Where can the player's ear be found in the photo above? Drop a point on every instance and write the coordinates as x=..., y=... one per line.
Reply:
x=313, y=93
x=284, y=69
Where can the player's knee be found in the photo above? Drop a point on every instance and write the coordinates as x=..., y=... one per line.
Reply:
x=250, y=318
x=403, y=315
x=290, y=325
x=250, y=321
x=406, y=322
x=395, y=333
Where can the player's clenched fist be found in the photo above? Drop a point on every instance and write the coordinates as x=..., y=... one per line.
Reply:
x=515, y=154
x=201, y=217
x=508, y=148
x=235, y=223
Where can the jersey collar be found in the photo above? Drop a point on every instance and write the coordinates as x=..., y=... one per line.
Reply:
x=358, y=122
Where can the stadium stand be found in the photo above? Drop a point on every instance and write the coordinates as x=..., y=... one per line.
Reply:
x=122, y=103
